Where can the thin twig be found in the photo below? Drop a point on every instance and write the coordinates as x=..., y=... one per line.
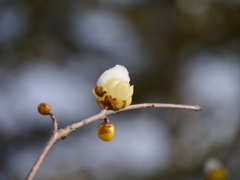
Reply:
x=62, y=133
x=43, y=154
x=54, y=123
x=162, y=105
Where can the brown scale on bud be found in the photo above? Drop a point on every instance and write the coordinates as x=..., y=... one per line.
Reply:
x=99, y=90
x=108, y=103
x=45, y=109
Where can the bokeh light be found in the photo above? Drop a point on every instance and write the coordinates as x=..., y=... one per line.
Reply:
x=176, y=51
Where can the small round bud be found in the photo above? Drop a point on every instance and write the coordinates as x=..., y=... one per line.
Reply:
x=44, y=109
x=106, y=131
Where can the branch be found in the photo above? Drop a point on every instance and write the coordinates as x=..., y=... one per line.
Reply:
x=162, y=105
x=43, y=154
x=62, y=133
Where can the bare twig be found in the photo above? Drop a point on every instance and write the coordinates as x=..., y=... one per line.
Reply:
x=54, y=123
x=43, y=154
x=161, y=105
x=62, y=133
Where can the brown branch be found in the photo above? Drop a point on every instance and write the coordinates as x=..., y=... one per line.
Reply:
x=54, y=123
x=62, y=133
x=43, y=154
x=161, y=105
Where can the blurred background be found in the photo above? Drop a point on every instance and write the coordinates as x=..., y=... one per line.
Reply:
x=176, y=51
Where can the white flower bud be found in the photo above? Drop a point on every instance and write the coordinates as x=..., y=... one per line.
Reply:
x=214, y=170
x=118, y=71
x=113, y=90
x=212, y=163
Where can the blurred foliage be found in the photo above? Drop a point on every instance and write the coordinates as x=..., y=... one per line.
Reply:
x=169, y=33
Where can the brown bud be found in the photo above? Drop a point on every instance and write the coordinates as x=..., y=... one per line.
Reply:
x=45, y=109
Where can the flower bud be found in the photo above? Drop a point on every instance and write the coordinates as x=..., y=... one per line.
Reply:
x=214, y=170
x=106, y=131
x=44, y=109
x=113, y=90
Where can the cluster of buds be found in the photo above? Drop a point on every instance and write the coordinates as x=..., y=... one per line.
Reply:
x=113, y=92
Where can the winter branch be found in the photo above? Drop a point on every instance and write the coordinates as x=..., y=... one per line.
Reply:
x=62, y=133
